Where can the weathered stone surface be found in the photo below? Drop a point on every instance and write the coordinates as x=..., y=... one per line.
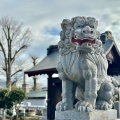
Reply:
x=117, y=107
x=95, y=115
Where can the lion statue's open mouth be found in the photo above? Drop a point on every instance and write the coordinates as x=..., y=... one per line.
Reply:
x=82, y=41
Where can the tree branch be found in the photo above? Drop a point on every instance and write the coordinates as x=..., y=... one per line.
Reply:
x=3, y=50
x=8, y=29
x=16, y=72
x=5, y=33
x=13, y=82
x=16, y=32
x=22, y=47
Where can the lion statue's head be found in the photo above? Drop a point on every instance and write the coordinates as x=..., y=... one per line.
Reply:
x=79, y=33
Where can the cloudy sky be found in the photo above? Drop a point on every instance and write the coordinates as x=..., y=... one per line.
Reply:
x=43, y=17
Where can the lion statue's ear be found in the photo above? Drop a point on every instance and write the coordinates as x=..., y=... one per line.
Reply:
x=65, y=24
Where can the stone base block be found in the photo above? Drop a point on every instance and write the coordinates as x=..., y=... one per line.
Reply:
x=117, y=107
x=94, y=115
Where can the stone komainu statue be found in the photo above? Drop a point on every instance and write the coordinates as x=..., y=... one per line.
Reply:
x=83, y=67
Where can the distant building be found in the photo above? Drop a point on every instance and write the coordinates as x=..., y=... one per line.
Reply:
x=36, y=98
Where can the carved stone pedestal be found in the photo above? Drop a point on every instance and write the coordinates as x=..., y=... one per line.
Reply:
x=95, y=115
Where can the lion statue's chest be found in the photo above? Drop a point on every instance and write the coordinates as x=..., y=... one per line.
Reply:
x=72, y=66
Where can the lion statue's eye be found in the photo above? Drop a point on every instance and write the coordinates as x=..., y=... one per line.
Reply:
x=76, y=25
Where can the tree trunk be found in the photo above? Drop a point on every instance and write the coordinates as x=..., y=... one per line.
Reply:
x=8, y=85
x=8, y=81
x=8, y=77
x=35, y=85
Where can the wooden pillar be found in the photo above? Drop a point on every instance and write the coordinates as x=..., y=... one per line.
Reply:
x=25, y=86
x=49, y=101
x=54, y=95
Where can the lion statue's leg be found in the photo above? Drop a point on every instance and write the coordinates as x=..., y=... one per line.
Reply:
x=106, y=94
x=90, y=94
x=68, y=92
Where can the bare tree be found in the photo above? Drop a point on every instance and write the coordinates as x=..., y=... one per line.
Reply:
x=14, y=39
x=35, y=59
x=37, y=86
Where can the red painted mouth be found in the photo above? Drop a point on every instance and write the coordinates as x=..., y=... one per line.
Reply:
x=81, y=41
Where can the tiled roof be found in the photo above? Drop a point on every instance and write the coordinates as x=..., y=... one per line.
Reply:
x=48, y=63
x=36, y=93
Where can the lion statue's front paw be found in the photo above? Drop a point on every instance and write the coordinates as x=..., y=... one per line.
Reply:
x=84, y=106
x=62, y=106
x=103, y=105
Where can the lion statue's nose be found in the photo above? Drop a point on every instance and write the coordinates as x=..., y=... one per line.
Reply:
x=87, y=30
